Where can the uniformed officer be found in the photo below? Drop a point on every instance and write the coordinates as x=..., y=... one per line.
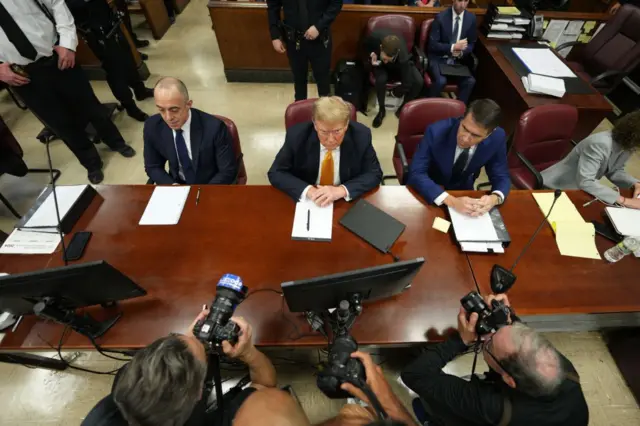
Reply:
x=99, y=26
x=305, y=36
x=38, y=59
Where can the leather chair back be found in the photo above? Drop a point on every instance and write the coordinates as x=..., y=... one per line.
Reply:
x=543, y=136
x=237, y=149
x=423, y=37
x=617, y=45
x=415, y=117
x=302, y=111
x=399, y=24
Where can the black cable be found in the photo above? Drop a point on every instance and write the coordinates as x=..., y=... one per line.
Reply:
x=262, y=289
x=55, y=202
x=102, y=352
x=395, y=258
x=297, y=331
x=58, y=350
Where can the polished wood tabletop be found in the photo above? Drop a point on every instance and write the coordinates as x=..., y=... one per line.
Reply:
x=549, y=283
x=246, y=230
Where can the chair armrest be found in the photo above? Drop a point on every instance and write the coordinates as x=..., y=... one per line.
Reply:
x=533, y=170
x=238, y=164
x=473, y=61
x=422, y=61
x=403, y=160
x=567, y=44
x=607, y=74
x=483, y=185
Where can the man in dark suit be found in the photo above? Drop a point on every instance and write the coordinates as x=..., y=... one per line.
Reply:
x=197, y=145
x=453, y=151
x=390, y=60
x=327, y=159
x=452, y=38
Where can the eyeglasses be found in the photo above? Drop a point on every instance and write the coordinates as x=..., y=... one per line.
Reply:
x=335, y=132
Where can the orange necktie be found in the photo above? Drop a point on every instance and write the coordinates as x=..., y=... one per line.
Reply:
x=326, y=171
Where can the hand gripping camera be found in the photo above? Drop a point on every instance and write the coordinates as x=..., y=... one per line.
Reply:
x=216, y=327
x=489, y=318
x=341, y=368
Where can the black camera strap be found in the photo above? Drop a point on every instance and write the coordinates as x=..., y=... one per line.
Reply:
x=375, y=403
x=50, y=17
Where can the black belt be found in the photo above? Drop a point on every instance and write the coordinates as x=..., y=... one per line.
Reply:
x=293, y=35
x=45, y=61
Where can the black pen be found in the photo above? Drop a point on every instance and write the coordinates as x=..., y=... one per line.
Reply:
x=198, y=196
x=308, y=219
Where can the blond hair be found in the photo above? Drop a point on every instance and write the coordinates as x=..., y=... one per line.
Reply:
x=332, y=109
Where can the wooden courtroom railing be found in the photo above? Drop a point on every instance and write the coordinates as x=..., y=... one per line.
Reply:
x=242, y=31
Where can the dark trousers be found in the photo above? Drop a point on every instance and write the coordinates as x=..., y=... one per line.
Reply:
x=408, y=75
x=319, y=56
x=64, y=101
x=465, y=84
x=117, y=60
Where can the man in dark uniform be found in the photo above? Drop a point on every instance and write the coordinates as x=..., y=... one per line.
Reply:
x=100, y=28
x=306, y=38
x=38, y=60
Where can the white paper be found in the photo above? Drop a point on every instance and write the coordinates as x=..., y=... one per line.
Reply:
x=543, y=61
x=319, y=219
x=566, y=38
x=554, y=30
x=506, y=36
x=574, y=28
x=521, y=21
x=601, y=26
x=46, y=216
x=23, y=242
x=625, y=221
x=539, y=84
x=165, y=205
x=470, y=229
x=482, y=247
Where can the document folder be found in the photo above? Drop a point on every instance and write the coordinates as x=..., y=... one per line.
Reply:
x=486, y=233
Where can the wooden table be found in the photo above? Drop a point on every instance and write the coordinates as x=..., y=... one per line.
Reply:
x=496, y=79
x=246, y=230
x=556, y=292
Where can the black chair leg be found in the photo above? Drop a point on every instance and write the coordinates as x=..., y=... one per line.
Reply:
x=56, y=173
x=10, y=207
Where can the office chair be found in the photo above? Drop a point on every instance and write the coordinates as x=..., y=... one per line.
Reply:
x=301, y=112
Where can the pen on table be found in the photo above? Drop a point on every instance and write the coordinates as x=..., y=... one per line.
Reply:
x=308, y=219
x=198, y=196
x=15, y=326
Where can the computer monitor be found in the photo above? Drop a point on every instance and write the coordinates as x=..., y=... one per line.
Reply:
x=326, y=292
x=73, y=286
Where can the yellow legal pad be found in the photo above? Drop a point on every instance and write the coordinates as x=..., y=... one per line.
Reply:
x=507, y=10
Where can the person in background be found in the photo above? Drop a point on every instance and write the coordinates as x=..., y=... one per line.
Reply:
x=452, y=39
x=197, y=145
x=599, y=155
x=452, y=153
x=424, y=3
x=327, y=159
x=614, y=9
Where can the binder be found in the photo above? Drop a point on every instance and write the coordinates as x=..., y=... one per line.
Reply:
x=486, y=233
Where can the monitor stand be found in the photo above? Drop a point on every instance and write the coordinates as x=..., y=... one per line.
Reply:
x=83, y=324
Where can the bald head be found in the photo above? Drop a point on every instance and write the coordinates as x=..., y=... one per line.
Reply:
x=273, y=407
x=172, y=101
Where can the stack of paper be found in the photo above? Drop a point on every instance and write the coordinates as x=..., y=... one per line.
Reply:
x=311, y=222
x=477, y=234
x=165, y=205
x=506, y=27
x=539, y=84
x=501, y=35
x=29, y=242
x=543, y=62
x=625, y=221
x=574, y=236
x=507, y=10
x=44, y=219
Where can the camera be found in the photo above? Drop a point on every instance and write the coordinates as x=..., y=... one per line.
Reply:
x=489, y=318
x=217, y=326
x=341, y=368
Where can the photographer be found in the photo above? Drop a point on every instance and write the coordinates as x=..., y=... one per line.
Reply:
x=530, y=382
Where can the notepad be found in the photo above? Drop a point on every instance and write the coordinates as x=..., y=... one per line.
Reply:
x=543, y=85
x=563, y=211
x=29, y=242
x=508, y=10
x=441, y=224
x=473, y=229
x=576, y=239
x=165, y=205
x=625, y=221
x=543, y=61
x=311, y=222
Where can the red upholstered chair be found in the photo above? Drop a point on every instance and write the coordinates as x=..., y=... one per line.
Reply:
x=415, y=117
x=301, y=112
x=241, y=177
x=542, y=137
x=423, y=41
x=613, y=53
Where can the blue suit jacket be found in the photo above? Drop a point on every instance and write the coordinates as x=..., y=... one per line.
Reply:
x=432, y=164
x=297, y=164
x=441, y=36
x=213, y=157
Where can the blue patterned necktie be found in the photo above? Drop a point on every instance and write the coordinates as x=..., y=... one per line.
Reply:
x=451, y=60
x=459, y=166
x=185, y=161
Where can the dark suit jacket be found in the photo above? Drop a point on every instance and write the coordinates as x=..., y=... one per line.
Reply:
x=432, y=164
x=212, y=152
x=372, y=45
x=441, y=36
x=297, y=164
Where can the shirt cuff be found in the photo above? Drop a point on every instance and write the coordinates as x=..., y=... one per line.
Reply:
x=452, y=46
x=348, y=196
x=499, y=194
x=304, y=193
x=440, y=199
x=69, y=41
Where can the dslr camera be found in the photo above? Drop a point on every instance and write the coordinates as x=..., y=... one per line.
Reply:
x=490, y=319
x=217, y=326
x=341, y=368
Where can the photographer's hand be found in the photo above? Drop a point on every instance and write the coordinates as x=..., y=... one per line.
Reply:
x=467, y=327
x=501, y=298
x=381, y=388
x=201, y=316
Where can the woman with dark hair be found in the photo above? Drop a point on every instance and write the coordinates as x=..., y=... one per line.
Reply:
x=601, y=155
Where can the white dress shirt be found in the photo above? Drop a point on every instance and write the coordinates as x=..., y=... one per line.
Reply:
x=38, y=29
x=336, y=171
x=440, y=199
x=186, y=134
x=453, y=25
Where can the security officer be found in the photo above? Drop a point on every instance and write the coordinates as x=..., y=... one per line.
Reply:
x=99, y=26
x=306, y=37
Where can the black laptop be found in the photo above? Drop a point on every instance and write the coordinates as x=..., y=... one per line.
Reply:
x=372, y=225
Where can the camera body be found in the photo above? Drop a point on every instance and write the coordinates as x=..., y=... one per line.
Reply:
x=489, y=318
x=217, y=326
x=341, y=369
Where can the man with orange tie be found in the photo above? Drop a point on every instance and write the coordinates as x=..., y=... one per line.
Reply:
x=328, y=158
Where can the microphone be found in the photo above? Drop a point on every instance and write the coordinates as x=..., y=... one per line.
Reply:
x=502, y=279
x=55, y=202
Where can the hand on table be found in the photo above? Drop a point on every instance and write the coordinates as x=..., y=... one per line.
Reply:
x=278, y=45
x=243, y=349
x=463, y=205
x=325, y=195
x=486, y=203
x=312, y=33
x=66, y=57
x=10, y=77
x=632, y=203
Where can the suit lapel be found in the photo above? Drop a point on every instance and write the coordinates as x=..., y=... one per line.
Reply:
x=346, y=149
x=196, y=138
x=448, y=24
x=466, y=23
x=449, y=150
x=479, y=156
x=313, y=154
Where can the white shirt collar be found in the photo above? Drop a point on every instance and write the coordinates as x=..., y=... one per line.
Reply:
x=453, y=11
